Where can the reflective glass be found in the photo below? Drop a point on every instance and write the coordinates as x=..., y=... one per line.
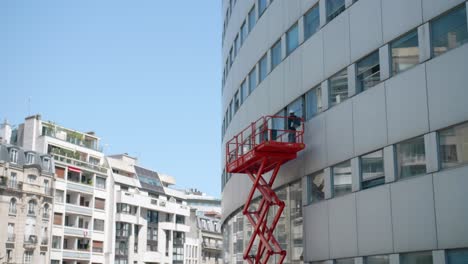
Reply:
x=339, y=87
x=244, y=92
x=411, y=156
x=449, y=31
x=405, y=52
x=313, y=102
x=334, y=8
x=311, y=22
x=457, y=256
x=372, y=169
x=292, y=39
x=453, y=146
x=368, y=72
x=276, y=54
x=342, y=178
x=316, y=184
x=383, y=259
x=252, y=80
x=263, y=68
x=262, y=5
x=345, y=261
x=252, y=19
x=243, y=33
x=416, y=258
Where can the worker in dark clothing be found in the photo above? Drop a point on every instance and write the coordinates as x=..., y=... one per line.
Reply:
x=293, y=123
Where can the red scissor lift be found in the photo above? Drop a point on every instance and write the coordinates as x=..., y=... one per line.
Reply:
x=262, y=147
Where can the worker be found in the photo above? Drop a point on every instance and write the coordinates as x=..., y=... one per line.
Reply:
x=293, y=123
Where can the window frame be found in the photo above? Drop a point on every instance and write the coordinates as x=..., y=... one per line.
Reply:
x=293, y=28
x=333, y=181
x=309, y=33
x=373, y=179
x=399, y=40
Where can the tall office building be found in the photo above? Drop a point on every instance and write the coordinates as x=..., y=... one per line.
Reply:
x=382, y=88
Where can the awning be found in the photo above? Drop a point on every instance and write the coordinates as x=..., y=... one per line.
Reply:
x=70, y=168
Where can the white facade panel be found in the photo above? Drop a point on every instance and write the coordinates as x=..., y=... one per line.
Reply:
x=399, y=16
x=336, y=47
x=339, y=127
x=343, y=233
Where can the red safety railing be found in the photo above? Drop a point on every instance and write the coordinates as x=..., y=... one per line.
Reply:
x=264, y=146
x=266, y=128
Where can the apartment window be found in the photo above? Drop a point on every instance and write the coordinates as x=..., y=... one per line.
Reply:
x=244, y=91
x=368, y=72
x=292, y=39
x=344, y=261
x=252, y=18
x=98, y=246
x=372, y=169
x=262, y=5
x=338, y=87
x=411, y=157
x=28, y=254
x=99, y=203
x=276, y=54
x=231, y=58
x=56, y=242
x=46, y=163
x=14, y=156
x=449, y=31
x=126, y=208
x=252, y=80
x=12, y=208
x=405, y=52
x=457, y=256
x=453, y=146
x=152, y=216
x=342, y=178
x=316, y=187
x=180, y=219
x=58, y=217
x=334, y=8
x=98, y=225
x=54, y=261
x=100, y=182
x=263, y=68
x=243, y=33
x=122, y=229
x=60, y=172
x=382, y=259
x=311, y=22
x=313, y=102
x=29, y=158
x=32, y=207
x=11, y=232
x=58, y=196
x=236, y=102
x=31, y=178
x=416, y=258
x=45, y=213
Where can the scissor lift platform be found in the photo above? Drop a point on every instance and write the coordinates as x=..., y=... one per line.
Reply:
x=264, y=146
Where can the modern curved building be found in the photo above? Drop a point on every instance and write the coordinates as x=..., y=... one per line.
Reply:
x=383, y=88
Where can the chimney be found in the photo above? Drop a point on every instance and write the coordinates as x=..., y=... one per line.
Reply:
x=31, y=132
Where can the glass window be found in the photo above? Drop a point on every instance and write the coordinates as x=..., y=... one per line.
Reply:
x=368, y=72
x=297, y=107
x=334, y=8
x=236, y=45
x=449, y=31
x=338, y=87
x=243, y=33
x=30, y=158
x=252, y=18
x=244, y=91
x=416, y=258
x=383, y=259
x=14, y=156
x=316, y=187
x=12, y=208
x=28, y=254
x=372, y=169
x=342, y=178
x=345, y=261
x=98, y=225
x=411, y=157
x=263, y=68
x=276, y=54
x=236, y=101
x=56, y=242
x=231, y=57
x=311, y=22
x=292, y=39
x=100, y=182
x=252, y=80
x=99, y=203
x=405, y=52
x=453, y=146
x=32, y=207
x=262, y=5
x=313, y=102
x=457, y=256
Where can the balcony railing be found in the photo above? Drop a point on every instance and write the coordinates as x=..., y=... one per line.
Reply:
x=79, y=163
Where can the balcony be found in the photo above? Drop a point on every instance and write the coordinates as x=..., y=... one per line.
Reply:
x=74, y=231
x=79, y=163
x=76, y=138
x=71, y=254
x=10, y=185
x=30, y=242
x=78, y=209
x=212, y=246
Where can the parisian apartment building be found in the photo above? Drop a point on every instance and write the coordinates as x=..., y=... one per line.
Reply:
x=381, y=87
x=65, y=202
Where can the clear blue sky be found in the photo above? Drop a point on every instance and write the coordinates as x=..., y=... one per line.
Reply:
x=143, y=74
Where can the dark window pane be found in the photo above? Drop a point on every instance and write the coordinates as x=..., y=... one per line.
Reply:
x=342, y=178
x=449, y=31
x=292, y=39
x=313, y=102
x=316, y=186
x=457, y=256
x=383, y=259
x=311, y=22
x=262, y=4
x=334, y=8
x=244, y=92
x=416, y=258
x=276, y=54
x=252, y=19
x=372, y=169
x=252, y=80
x=368, y=72
x=411, y=156
x=243, y=33
x=263, y=68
